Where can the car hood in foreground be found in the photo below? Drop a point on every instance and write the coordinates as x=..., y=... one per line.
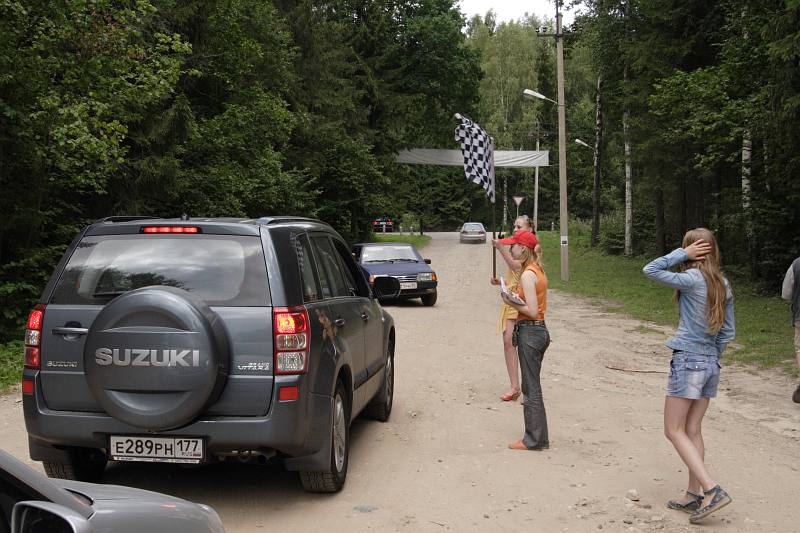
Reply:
x=126, y=509
x=396, y=269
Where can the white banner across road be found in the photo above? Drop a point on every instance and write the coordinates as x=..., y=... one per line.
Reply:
x=502, y=158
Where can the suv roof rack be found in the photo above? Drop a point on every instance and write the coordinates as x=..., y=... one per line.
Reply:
x=126, y=218
x=278, y=220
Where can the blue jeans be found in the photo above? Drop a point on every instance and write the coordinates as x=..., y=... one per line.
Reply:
x=532, y=342
x=693, y=375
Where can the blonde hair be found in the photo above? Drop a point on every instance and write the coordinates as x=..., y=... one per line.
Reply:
x=529, y=256
x=709, y=266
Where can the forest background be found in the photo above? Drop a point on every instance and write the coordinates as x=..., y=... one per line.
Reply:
x=251, y=108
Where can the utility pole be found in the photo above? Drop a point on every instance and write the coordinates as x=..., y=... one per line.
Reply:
x=536, y=190
x=598, y=143
x=562, y=148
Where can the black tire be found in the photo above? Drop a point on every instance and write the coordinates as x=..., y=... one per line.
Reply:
x=332, y=480
x=380, y=408
x=82, y=465
x=429, y=299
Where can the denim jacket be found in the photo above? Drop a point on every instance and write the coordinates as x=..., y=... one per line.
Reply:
x=692, y=335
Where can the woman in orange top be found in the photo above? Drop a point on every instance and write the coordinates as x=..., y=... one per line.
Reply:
x=531, y=336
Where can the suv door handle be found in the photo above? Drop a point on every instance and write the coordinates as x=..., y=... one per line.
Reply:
x=70, y=331
x=364, y=316
x=339, y=322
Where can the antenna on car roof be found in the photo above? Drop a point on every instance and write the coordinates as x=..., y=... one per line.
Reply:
x=184, y=217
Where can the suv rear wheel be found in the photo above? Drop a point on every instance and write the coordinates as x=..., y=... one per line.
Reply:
x=332, y=480
x=81, y=465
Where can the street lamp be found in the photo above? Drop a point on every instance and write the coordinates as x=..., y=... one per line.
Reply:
x=578, y=141
x=562, y=166
x=533, y=94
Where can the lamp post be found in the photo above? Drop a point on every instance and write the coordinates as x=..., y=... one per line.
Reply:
x=562, y=160
x=595, y=191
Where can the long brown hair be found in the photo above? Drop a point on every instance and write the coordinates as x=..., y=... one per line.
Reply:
x=709, y=266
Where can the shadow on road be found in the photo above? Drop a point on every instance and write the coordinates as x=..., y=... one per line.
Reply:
x=224, y=484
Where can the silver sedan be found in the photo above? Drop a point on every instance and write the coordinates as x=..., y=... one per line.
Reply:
x=472, y=232
x=31, y=502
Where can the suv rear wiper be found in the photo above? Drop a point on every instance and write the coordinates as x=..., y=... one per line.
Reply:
x=407, y=259
x=379, y=261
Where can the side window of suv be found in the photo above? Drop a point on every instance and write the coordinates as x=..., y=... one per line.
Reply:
x=305, y=260
x=353, y=274
x=330, y=274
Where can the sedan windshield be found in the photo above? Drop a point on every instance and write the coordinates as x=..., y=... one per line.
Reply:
x=389, y=253
x=473, y=227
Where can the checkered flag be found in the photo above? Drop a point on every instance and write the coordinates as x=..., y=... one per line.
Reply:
x=478, y=151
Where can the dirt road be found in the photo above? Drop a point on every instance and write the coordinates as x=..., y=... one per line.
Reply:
x=441, y=463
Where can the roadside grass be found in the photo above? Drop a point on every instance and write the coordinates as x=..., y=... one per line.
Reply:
x=763, y=333
x=418, y=241
x=10, y=364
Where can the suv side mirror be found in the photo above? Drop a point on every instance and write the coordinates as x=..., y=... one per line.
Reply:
x=427, y=261
x=37, y=516
x=386, y=287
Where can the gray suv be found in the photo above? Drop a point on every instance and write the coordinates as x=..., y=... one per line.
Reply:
x=192, y=341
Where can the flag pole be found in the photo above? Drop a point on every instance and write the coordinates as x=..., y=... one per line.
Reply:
x=494, y=212
x=494, y=250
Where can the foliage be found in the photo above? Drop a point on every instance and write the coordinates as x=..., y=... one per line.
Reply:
x=11, y=357
x=217, y=108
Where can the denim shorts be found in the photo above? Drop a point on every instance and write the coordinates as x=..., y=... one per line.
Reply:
x=693, y=375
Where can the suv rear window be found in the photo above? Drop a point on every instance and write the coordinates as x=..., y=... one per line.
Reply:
x=222, y=270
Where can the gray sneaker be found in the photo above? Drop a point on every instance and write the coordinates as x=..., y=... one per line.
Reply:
x=688, y=507
x=720, y=500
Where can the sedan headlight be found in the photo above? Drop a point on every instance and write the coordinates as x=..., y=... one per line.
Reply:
x=425, y=276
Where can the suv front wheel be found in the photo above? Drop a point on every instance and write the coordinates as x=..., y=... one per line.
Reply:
x=381, y=406
x=332, y=480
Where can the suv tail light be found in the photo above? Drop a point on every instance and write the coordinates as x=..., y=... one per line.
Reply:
x=33, y=340
x=292, y=336
x=171, y=229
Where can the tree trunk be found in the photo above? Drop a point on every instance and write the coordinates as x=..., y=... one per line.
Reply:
x=598, y=141
x=661, y=234
x=628, y=185
x=747, y=155
x=683, y=217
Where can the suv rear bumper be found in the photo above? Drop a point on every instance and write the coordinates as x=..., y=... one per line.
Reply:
x=299, y=429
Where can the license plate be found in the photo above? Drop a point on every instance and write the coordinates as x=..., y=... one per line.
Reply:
x=408, y=285
x=156, y=449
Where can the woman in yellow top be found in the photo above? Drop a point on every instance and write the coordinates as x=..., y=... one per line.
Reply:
x=531, y=337
x=508, y=315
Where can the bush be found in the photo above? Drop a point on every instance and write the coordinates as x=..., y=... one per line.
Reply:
x=612, y=233
x=10, y=364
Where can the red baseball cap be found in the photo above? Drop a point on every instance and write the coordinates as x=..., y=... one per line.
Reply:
x=525, y=238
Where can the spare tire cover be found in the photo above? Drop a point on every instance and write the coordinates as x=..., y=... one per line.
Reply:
x=155, y=357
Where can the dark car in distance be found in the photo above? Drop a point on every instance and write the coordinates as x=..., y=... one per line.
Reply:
x=383, y=225
x=195, y=341
x=400, y=261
